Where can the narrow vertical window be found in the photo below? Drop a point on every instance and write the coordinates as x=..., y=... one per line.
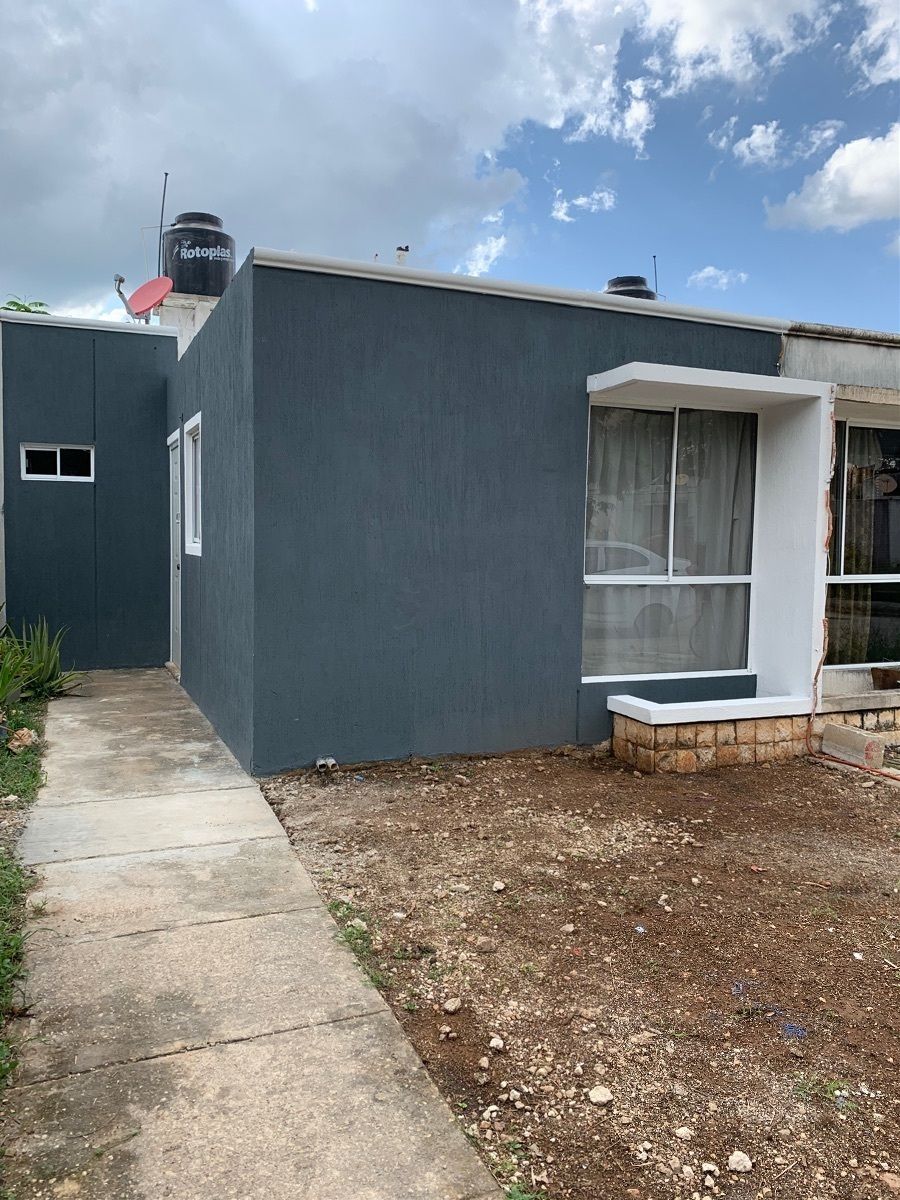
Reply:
x=863, y=607
x=192, y=486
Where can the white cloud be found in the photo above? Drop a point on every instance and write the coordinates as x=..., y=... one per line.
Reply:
x=559, y=210
x=101, y=310
x=893, y=246
x=816, y=138
x=599, y=200
x=722, y=137
x=859, y=183
x=876, y=50
x=762, y=146
x=483, y=256
x=336, y=128
x=734, y=38
x=714, y=277
x=769, y=145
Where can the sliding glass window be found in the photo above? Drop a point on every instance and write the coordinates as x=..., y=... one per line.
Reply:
x=863, y=607
x=668, y=535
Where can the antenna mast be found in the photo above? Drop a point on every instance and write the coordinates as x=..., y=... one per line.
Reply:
x=162, y=209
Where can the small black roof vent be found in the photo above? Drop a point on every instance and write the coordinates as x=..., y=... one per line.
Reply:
x=630, y=285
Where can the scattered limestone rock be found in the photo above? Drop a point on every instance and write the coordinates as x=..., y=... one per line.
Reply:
x=739, y=1162
x=600, y=1095
x=453, y=1005
x=684, y=1134
x=497, y=1044
x=499, y=885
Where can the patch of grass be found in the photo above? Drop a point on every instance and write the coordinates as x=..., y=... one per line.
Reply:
x=13, y=887
x=21, y=774
x=359, y=938
x=832, y=1091
x=516, y=1192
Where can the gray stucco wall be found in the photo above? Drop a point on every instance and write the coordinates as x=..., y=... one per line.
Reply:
x=89, y=556
x=419, y=509
x=214, y=378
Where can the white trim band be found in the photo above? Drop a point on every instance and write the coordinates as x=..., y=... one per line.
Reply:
x=86, y=323
x=671, y=675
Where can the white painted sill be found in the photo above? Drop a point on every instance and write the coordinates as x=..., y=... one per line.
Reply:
x=651, y=713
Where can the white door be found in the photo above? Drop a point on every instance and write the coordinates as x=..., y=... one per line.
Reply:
x=175, y=550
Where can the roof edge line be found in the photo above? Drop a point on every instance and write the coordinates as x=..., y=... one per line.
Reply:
x=843, y=333
x=264, y=257
x=85, y=323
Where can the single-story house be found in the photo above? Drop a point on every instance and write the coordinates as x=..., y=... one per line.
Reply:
x=373, y=511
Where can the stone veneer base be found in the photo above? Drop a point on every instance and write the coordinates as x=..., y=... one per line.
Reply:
x=689, y=747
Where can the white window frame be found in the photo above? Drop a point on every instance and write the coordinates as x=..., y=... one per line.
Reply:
x=840, y=550
x=193, y=499
x=669, y=578
x=57, y=446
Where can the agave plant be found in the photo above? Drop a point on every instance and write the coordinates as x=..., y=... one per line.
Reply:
x=15, y=671
x=41, y=654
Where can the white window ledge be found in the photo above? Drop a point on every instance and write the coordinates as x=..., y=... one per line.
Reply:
x=651, y=713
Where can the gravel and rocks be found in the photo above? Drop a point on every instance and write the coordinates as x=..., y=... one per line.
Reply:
x=626, y=987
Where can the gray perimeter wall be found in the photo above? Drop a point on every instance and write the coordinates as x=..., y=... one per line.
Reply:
x=419, y=512
x=215, y=378
x=93, y=557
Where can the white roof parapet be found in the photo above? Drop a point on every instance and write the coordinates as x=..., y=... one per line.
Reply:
x=290, y=261
x=86, y=323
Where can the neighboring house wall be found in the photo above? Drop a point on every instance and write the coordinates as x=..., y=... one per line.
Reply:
x=89, y=556
x=214, y=378
x=419, y=497
x=860, y=363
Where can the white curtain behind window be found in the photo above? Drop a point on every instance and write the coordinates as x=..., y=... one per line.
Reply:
x=714, y=492
x=629, y=466
x=654, y=627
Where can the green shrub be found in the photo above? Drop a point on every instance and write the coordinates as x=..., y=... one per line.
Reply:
x=41, y=653
x=15, y=671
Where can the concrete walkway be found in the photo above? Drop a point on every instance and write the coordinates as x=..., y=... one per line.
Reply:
x=195, y=1029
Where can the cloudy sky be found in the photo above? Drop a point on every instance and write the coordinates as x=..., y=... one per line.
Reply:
x=752, y=145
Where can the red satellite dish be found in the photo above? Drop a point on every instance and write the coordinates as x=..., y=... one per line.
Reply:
x=149, y=295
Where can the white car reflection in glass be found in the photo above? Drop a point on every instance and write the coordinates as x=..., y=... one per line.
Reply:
x=650, y=613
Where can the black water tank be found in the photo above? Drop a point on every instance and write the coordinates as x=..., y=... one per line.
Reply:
x=199, y=257
x=628, y=285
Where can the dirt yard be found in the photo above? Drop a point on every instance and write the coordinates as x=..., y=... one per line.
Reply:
x=618, y=982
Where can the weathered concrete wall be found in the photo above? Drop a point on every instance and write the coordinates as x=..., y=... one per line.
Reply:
x=214, y=377
x=843, y=361
x=89, y=556
x=419, y=496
